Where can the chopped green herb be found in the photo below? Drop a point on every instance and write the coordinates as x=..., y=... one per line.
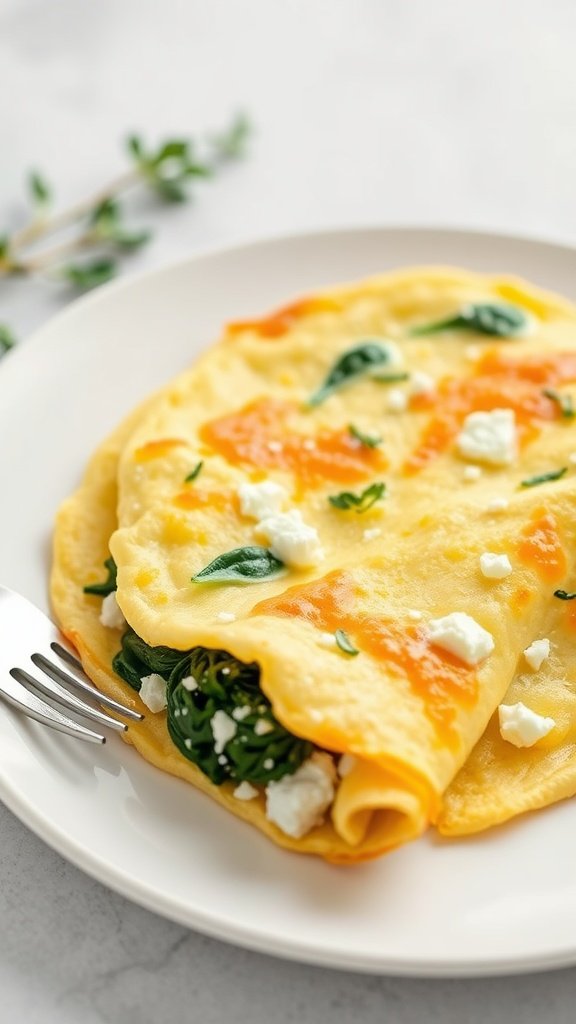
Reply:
x=368, y=440
x=564, y=402
x=195, y=472
x=242, y=565
x=354, y=363
x=501, y=319
x=346, y=500
x=564, y=595
x=344, y=642
x=109, y=584
x=389, y=378
x=544, y=478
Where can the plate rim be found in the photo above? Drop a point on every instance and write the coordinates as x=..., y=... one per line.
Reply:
x=115, y=878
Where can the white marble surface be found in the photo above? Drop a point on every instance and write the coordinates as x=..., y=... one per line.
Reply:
x=367, y=111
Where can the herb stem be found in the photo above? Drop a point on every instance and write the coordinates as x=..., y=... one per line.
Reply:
x=46, y=226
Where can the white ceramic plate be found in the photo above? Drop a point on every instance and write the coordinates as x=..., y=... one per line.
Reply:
x=496, y=903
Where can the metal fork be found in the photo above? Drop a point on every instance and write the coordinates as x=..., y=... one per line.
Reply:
x=61, y=675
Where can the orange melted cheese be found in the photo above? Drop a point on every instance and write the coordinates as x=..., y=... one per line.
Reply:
x=541, y=547
x=282, y=320
x=258, y=436
x=157, y=449
x=500, y=382
x=443, y=682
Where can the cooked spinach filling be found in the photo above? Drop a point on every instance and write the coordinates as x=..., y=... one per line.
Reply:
x=254, y=746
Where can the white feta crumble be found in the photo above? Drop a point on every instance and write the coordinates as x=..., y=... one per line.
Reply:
x=245, y=791
x=268, y=764
x=223, y=729
x=521, y=726
x=292, y=540
x=489, y=437
x=421, y=383
x=537, y=653
x=495, y=567
x=222, y=759
x=275, y=446
x=327, y=639
x=189, y=683
x=226, y=617
x=497, y=505
x=188, y=743
x=461, y=635
x=111, y=614
x=371, y=533
x=472, y=473
x=262, y=727
x=414, y=614
x=345, y=765
x=397, y=400
x=472, y=352
x=239, y=714
x=153, y=692
x=257, y=501
x=298, y=802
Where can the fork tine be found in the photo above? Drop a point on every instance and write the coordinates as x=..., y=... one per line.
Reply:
x=55, y=691
x=87, y=687
x=13, y=693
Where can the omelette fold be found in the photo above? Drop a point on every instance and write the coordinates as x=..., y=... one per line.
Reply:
x=329, y=543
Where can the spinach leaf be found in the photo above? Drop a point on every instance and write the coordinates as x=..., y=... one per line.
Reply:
x=109, y=584
x=352, y=364
x=497, y=318
x=260, y=750
x=241, y=565
x=136, y=659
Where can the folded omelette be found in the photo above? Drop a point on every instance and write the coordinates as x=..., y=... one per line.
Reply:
x=328, y=545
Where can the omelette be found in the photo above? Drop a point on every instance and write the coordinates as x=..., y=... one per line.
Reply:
x=328, y=545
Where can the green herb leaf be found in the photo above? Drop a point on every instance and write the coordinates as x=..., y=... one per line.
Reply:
x=346, y=500
x=368, y=440
x=223, y=683
x=501, y=319
x=109, y=584
x=84, y=276
x=7, y=339
x=4, y=247
x=135, y=147
x=231, y=143
x=544, y=478
x=195, y=472
x=39, y=190
x=106, y=221
x=344, y=642
x=242, y=565
x=354, y=363
x=389, y=378
x=564, y=402
x=563, y=595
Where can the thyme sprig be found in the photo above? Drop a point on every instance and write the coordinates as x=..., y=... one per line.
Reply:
x=96, y=225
